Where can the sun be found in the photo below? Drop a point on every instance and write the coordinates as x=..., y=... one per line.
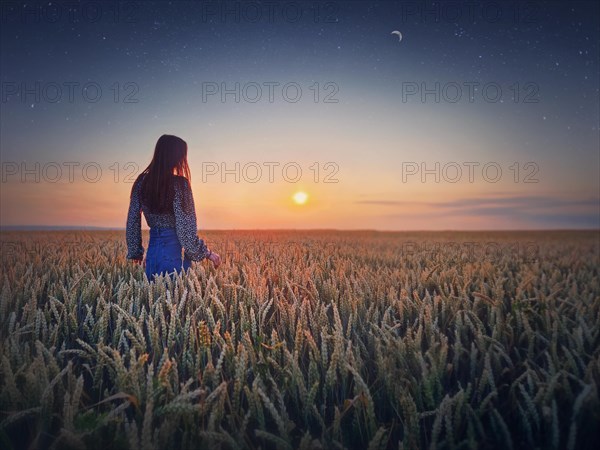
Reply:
x=300, y=198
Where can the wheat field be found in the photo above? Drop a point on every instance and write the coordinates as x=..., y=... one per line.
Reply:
x=303, y=339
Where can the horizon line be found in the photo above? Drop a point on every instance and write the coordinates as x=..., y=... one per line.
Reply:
x=97, y=228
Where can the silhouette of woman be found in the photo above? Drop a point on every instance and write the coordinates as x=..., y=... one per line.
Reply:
x=163, y=193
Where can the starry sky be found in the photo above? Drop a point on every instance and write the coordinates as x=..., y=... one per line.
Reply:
x=484, y=115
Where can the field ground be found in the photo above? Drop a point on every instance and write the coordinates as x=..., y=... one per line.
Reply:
x=303, y=339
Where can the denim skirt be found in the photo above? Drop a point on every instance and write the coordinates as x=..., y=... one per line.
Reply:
x=164, y=254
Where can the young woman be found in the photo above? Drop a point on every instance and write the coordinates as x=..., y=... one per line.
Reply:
x=163, y=192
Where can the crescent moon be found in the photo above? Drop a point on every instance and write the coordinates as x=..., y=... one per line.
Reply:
x=398, y=33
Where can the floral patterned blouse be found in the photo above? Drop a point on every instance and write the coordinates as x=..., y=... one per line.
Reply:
x=183, y=219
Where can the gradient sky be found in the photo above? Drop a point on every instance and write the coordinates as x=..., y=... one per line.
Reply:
x=161, y=55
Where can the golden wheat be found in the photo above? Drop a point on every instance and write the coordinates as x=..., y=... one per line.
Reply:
x=303, y=340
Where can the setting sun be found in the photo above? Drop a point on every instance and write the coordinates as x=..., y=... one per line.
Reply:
x=300, y=198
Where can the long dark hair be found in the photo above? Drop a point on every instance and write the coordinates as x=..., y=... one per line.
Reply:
x=157, y=189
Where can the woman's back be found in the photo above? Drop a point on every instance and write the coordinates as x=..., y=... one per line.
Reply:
x=182, y=218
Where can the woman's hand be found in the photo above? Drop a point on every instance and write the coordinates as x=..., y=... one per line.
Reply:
x=141, y=261
x=215, y=258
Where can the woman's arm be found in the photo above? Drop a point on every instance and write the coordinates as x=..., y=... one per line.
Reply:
x=134, y=224
x=185, y=222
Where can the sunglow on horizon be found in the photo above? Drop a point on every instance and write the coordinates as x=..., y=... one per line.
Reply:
x=300, y=197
